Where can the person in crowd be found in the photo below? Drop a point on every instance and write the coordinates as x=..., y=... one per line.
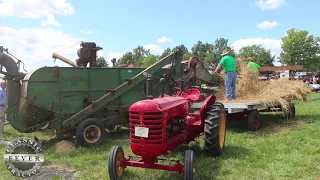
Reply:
x=253, y=65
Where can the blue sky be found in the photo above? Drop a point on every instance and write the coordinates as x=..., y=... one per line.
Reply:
x=44, y=26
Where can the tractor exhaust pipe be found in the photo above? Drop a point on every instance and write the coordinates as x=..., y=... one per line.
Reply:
x=64, y=59
x=149, y=87
x=12, y=69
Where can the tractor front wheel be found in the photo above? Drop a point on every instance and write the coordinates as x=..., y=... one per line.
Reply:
x=215, y=129
x=90, y=132
x=188, y=165
x=116, y=162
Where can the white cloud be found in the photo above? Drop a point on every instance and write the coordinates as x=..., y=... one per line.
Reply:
x=163, y=39
x=270, y=4
x=36, y=9
x=273, y=44
x=35, y=46
x=86, y=32
x=50, y=21
x=100, y=53
x=268, y=25
x=116, y=55
x=154, y=48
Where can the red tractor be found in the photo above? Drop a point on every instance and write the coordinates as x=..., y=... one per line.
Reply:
x=159, y=125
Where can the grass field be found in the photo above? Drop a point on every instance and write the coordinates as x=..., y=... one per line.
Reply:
x=277, y=151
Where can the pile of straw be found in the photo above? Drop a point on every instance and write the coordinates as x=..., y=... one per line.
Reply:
x=272, y=93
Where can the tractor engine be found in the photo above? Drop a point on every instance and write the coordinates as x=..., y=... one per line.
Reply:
x=175, y=125
x=155, y=125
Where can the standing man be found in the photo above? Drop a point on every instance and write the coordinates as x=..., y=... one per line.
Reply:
x=254, y=66
x=3, y=105
x=230, y=68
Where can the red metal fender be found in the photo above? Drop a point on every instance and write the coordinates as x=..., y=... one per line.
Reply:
x=208, y=101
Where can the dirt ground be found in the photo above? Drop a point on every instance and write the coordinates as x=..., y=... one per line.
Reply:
x=47, y=173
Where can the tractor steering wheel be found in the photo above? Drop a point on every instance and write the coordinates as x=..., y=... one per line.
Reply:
x=169, y=79
x=182, y=87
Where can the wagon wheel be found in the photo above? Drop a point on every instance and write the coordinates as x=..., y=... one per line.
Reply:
x=189, y=165
x=215, y=129
x=290, y=113
x=254, y=122
x=90, y=132
x=116, y=162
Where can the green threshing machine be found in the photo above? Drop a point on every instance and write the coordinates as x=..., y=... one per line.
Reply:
x=85, y=101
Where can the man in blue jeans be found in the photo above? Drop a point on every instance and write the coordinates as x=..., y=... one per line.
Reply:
x=230, y=68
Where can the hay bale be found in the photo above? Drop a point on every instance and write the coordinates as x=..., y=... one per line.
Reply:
x=64, y=145
x=272, y=93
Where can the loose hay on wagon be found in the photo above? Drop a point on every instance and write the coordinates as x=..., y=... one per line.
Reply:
x=254, y=96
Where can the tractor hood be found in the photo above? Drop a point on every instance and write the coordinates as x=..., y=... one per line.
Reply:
x=157, y=104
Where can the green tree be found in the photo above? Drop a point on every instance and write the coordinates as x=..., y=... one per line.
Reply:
x=300, y=48
x=202, y=50
x=165, y=53
x=209, y=54
x=187, y=56
x=138, y=54
x=182, y=47
x=219, y=45
x=261, y=55
x=103, y=61
x=186, y=53
x=149, y=60
x=125, y=58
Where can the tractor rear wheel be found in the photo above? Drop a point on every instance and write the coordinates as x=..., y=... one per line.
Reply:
x=116, y=162
x=90, y=132
x=215, y=129
x=188, y=165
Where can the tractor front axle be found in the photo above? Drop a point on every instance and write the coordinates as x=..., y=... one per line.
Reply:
x=177, y=167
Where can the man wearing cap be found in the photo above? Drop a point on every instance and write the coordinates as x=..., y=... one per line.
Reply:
x=3, y=105
x=230, y=68
x=254, y=66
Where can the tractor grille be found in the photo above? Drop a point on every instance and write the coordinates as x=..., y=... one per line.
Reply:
x=151, y=120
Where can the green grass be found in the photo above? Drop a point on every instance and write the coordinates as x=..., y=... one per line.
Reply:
x=277, y=151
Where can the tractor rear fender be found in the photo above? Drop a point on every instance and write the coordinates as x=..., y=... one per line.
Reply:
x=208, y=101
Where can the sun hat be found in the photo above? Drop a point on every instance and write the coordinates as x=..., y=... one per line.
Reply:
x=250, y=59
x=224, y=52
